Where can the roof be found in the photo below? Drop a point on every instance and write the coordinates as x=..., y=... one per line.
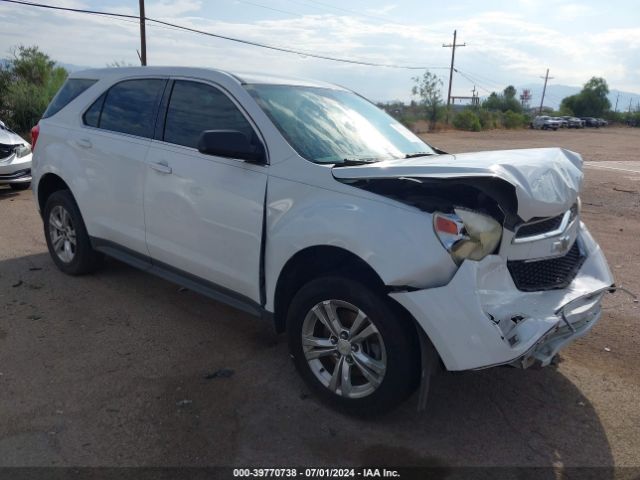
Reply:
x=240, y=77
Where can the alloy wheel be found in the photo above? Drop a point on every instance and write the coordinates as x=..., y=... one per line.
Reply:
x=344, y=349
x=62, y=234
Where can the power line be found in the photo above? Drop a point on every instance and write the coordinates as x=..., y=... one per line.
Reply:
x=481, y=79
x=344, y=10
x=68, y=9
x=290, y=50
x=473, y=81
x=259, y=5
x=231, y=39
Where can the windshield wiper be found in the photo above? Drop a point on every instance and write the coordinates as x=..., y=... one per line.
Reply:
x=346, y=162
x=418, y=154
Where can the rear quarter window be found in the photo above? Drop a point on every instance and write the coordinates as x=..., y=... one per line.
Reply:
x=70, y=90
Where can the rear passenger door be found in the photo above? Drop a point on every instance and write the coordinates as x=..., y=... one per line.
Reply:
x=112, y=145
x=204, y=213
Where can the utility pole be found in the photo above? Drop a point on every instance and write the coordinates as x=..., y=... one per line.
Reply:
x=617, y=98
x=630, y=100
x=452, y=46
x=143, y=36
x=544, y=90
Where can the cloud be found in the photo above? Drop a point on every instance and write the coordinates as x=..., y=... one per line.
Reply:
x=502, y=47
x=382, y=10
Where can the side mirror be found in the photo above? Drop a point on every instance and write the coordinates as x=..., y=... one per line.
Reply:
x=231, y=144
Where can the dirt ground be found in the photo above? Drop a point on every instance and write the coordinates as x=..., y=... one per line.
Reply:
x=109, y=369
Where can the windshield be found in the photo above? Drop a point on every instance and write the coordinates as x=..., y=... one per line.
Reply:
x=335, y=126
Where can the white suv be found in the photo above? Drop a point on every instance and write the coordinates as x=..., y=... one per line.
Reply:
x=545, y=122
x=381, y=257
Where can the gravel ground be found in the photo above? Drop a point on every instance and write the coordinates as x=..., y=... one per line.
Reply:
x=110, y=369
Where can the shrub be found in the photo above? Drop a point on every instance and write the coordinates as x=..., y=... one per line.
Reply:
x=467, y=120
x=513, y=120
x=487, y=119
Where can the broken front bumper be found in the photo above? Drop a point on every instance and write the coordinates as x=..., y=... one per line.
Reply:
x=480, y=319
x=15, y=170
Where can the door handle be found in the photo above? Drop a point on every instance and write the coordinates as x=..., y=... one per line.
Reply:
x=84, y=143
x=161, y=167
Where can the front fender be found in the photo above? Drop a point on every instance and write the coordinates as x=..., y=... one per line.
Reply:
x=396, y=241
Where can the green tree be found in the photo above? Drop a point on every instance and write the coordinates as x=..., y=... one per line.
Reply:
x=592, y=100
x=503, y=102
x=427, y=89
x=510, y=92
x=28, y=82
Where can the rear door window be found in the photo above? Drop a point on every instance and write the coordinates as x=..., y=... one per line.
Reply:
x=130, y=107
x=69, y=91
x=195, y=107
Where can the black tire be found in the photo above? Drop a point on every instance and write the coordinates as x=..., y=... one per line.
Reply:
x=398, y=334
x=20, y=186
x=85, y=258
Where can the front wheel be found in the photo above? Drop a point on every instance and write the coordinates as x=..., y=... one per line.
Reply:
x=351, y=346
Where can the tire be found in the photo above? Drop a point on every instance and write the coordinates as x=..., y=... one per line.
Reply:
x=393, y=344
x=63, y=225
x=20, y=186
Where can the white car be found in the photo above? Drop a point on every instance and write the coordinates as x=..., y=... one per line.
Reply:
x=15, y=159
x=544, y=122
x=303, y=203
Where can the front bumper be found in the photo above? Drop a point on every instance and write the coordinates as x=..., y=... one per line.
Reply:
x=15, y=170
x=480, y=319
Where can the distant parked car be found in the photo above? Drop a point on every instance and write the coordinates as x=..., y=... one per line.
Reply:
x=575, y=122
x=591, y=122
x=602, y=122
x=544, y=122
x=15, y=159
x=564, y=122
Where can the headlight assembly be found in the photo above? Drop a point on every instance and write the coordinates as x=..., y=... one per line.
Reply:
x=22, y=150
x=467, y=234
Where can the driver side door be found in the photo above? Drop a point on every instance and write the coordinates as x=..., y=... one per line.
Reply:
x=204, y=213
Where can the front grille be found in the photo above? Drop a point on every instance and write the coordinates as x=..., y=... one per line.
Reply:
x=538, y=226
x=6, y=150
x=549, y=274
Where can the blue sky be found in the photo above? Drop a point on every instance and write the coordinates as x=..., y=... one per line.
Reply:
x=510, y=42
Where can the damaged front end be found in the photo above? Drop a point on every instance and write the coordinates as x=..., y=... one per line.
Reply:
x=530, y=277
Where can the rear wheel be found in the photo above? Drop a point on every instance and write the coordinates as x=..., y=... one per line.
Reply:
x=20, y=186
x=66, y=235
x=351, y=346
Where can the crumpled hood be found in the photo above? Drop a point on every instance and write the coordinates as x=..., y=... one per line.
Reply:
x=7, y=137
x=547, y=180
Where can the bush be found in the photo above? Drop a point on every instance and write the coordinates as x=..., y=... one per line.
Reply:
x=28, y=82
x=513, y=120
x=467, y=120
x=487, y=119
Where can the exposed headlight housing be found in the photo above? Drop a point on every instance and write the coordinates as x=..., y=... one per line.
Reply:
x=22, y=150
x=467, y=234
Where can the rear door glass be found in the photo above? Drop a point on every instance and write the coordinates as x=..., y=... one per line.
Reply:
x=131, y=107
